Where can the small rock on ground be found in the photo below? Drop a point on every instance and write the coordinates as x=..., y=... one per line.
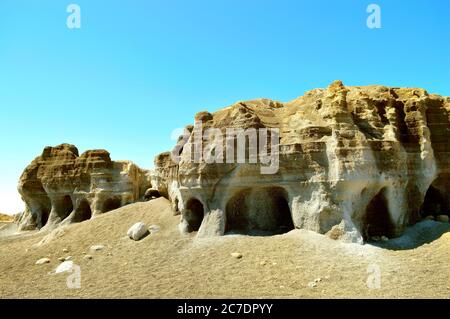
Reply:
x=42, y=261
x=236, y=255
x=97, y=247
x=87, y=257
x=137, y=231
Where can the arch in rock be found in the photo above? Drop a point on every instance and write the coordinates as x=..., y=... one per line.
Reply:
x=434, y=203
x=194, y=214
x=83, y=212
x=262, y=211
x=66, y=207
x=111, y=203
x=377, y=218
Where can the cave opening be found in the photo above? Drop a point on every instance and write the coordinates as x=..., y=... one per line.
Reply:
x=194, y=214
x=45, y=213
x=259, y=212
x=377, y=221
x=83, y=212
x=434, y=203
x=66, y=207
x=111, y=203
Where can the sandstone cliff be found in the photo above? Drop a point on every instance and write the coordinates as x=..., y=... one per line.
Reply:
x=354, y=162
x=60, y=186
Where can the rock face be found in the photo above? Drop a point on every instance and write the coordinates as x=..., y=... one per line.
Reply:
x=357, y=162
x=60, y=186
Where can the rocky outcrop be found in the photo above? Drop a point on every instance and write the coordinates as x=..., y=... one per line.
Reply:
x=353, y=162
x=60, y=186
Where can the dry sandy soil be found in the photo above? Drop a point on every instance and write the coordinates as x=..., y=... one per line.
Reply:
x=168, y=264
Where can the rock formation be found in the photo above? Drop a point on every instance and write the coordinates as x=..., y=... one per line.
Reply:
x=60, y=186
x=354, y=163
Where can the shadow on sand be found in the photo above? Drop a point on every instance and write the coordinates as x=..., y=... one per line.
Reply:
x=415, y=236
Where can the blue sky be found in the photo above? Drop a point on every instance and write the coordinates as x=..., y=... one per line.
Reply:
x=136, y=70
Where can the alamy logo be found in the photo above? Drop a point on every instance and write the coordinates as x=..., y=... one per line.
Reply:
x=73, y=281
x=374, y=19
x=374, y=278
x=230, y=145
x=74, y=19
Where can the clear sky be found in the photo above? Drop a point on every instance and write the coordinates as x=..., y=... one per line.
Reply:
x=136, y=70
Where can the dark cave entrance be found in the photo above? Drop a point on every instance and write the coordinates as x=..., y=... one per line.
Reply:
x=261, y=212
x=45, y=213
x=434, y=203
x=377, y=221
x=83, y=212
x=111, y=203
x=194, y=214
x=66, y=207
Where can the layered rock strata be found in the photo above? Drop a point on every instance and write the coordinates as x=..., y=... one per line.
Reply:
x=354, y=162
x=61, y=186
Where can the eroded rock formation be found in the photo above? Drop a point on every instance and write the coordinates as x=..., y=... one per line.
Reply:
x=60, y=186
x=354, y=162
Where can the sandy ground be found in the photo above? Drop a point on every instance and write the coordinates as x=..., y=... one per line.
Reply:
x=170, y=265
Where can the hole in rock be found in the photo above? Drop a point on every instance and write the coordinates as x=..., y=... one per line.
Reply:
x=111, y=203
x=45, y=213
x=377, y=220
x=434, y=203
x=66, y=206
x=194, y=214
x=83, y=212
x=261, y=211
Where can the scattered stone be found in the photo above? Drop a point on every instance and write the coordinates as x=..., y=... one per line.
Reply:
x=384, y=238
x=274, y=264
x=88, y=257
x=263, y=263
x=97, y=247
x=65, y=250
x=429, y=217
x=61, y=259
x=442, y=218
x=63, y=267
x=236, y=255
x=317, y=280
x=376, y=238
x=43, y=261
x=68, y=258
x=137, y=231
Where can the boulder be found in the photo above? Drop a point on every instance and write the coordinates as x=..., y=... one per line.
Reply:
x=137, y=231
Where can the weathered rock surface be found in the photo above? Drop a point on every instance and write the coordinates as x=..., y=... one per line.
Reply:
x=354, y=162
x=60, y=186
